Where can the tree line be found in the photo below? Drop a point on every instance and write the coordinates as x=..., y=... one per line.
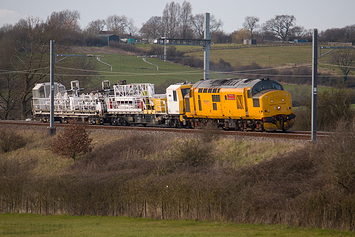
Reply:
x=177, y=21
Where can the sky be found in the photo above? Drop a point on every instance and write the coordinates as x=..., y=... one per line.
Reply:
x=320, y=14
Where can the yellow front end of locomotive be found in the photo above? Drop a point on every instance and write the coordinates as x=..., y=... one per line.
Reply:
x=275, y=103
x=276, y=107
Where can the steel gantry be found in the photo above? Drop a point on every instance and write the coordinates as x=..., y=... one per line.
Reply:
x=205, y=42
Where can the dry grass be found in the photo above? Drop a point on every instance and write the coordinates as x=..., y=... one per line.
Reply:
x=169, y=176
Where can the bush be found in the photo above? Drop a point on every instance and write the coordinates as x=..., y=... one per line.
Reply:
x=72, y=142
x=192, y=61
x=339, y=154
x=155, y=50
x=10, y=140
x=193, y=153
x=126, y=47
x=333, y=106
x=129, y=153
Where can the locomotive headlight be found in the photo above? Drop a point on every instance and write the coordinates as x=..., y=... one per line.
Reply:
x=279, y=107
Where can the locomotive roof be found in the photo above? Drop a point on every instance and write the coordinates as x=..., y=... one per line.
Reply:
x=227, y=83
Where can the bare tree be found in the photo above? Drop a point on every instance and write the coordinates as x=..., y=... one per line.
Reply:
x=8, y=95
x=301, y=33
x=63, y=27
x=95, y=27
x=152, y=29
x=131, y=28
x=186, y=16
x=26, y=56
x=344, y=58
x=251, y=24
x=171, y=19
x=350, y=33
x=66, y=19
x=281, y=26
x=8, y=83
x=198, y=20
x=345, y=34
x=120, y=25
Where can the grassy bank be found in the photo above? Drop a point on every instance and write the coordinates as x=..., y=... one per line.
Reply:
x=62, y=225
x=169, y=176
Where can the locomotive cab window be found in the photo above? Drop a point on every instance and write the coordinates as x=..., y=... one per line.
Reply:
x=265, y=85
x=41, y=92
x=185, y=92
x=174, y=96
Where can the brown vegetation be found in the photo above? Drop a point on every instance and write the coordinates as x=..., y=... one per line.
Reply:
x=199, y=178
x=74, y=141
x=10, y=140
x=333, y=106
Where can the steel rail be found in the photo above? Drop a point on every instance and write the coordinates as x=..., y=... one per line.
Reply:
x=297, y=135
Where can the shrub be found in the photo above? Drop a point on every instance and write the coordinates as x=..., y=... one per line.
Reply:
x=129, y=153
x=72, y=142
x=192, y=153
x=10, y=140
x=155, y=50
x=126, y=47
x=192, y=61
x=339, y=154
x=334, y=105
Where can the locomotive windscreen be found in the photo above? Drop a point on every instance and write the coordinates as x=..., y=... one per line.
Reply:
x=185, y=92
x=266, y=85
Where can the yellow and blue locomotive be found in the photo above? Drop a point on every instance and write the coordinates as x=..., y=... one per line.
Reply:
x=241, y=104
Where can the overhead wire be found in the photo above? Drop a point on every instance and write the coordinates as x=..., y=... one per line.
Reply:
x=5, y=71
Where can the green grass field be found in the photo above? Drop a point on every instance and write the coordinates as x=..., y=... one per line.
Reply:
x=37, y=225
x=134, y=70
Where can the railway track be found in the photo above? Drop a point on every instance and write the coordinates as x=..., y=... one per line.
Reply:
x=297, y=135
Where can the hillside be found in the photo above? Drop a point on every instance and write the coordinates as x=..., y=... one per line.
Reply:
x=289, y=64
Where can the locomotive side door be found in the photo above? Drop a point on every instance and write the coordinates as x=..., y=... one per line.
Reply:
x=247, y=98
x=173, y=99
